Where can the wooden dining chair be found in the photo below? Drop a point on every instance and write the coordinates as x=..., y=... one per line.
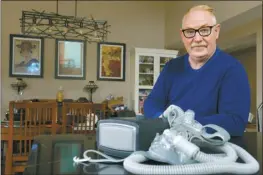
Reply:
x=26, y=120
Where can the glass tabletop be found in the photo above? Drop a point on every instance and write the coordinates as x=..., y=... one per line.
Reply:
x=61, y=161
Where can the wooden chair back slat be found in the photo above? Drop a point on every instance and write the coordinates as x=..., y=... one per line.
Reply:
x=34, y=117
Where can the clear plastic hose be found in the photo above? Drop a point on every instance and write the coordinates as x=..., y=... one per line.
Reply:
x=134, y=164
x=230, y=155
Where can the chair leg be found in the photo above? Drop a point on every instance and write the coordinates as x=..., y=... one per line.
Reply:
x=8, y=160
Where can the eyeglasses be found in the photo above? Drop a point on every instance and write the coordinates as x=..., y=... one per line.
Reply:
x=203, y=31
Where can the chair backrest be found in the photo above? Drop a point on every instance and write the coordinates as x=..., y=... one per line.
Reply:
x=29, y=115
x=259, y=117
x=26, y=120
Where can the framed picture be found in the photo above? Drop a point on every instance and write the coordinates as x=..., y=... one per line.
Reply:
x=70, y=61
x=26, y=56
x=111, y=61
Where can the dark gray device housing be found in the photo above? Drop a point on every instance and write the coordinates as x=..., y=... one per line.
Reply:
x=145, y=129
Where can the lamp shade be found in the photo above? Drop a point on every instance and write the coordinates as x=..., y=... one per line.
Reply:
x=91, y=86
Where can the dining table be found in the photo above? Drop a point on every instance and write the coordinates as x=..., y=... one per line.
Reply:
x=64, y=164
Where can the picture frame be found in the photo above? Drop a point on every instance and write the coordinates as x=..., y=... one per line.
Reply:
x=26, y=56
x=111, y=59
x=70, y=61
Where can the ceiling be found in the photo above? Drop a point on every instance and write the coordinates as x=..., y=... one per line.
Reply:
x=242, y=18
x=239, y=21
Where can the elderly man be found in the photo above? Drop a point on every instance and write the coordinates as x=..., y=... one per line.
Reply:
x=206, y=80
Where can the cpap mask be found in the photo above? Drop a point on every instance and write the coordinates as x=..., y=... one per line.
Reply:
x=180, y=146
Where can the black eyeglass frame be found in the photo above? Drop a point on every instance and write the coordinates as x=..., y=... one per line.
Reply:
x=198, y=30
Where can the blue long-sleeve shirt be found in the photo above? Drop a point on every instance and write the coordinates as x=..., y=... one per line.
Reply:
x=218, y=92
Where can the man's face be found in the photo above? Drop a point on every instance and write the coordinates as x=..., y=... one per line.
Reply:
x=200, y=47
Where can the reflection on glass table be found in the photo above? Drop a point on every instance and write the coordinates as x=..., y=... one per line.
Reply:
x=55, y=156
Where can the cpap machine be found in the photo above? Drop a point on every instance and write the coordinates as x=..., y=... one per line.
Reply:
x=178, y=148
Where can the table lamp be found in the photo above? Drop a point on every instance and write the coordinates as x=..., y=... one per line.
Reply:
x=91, y=87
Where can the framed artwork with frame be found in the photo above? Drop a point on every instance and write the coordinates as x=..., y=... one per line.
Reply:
x=26, y=56
x=70, y=61
x=111, y=61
